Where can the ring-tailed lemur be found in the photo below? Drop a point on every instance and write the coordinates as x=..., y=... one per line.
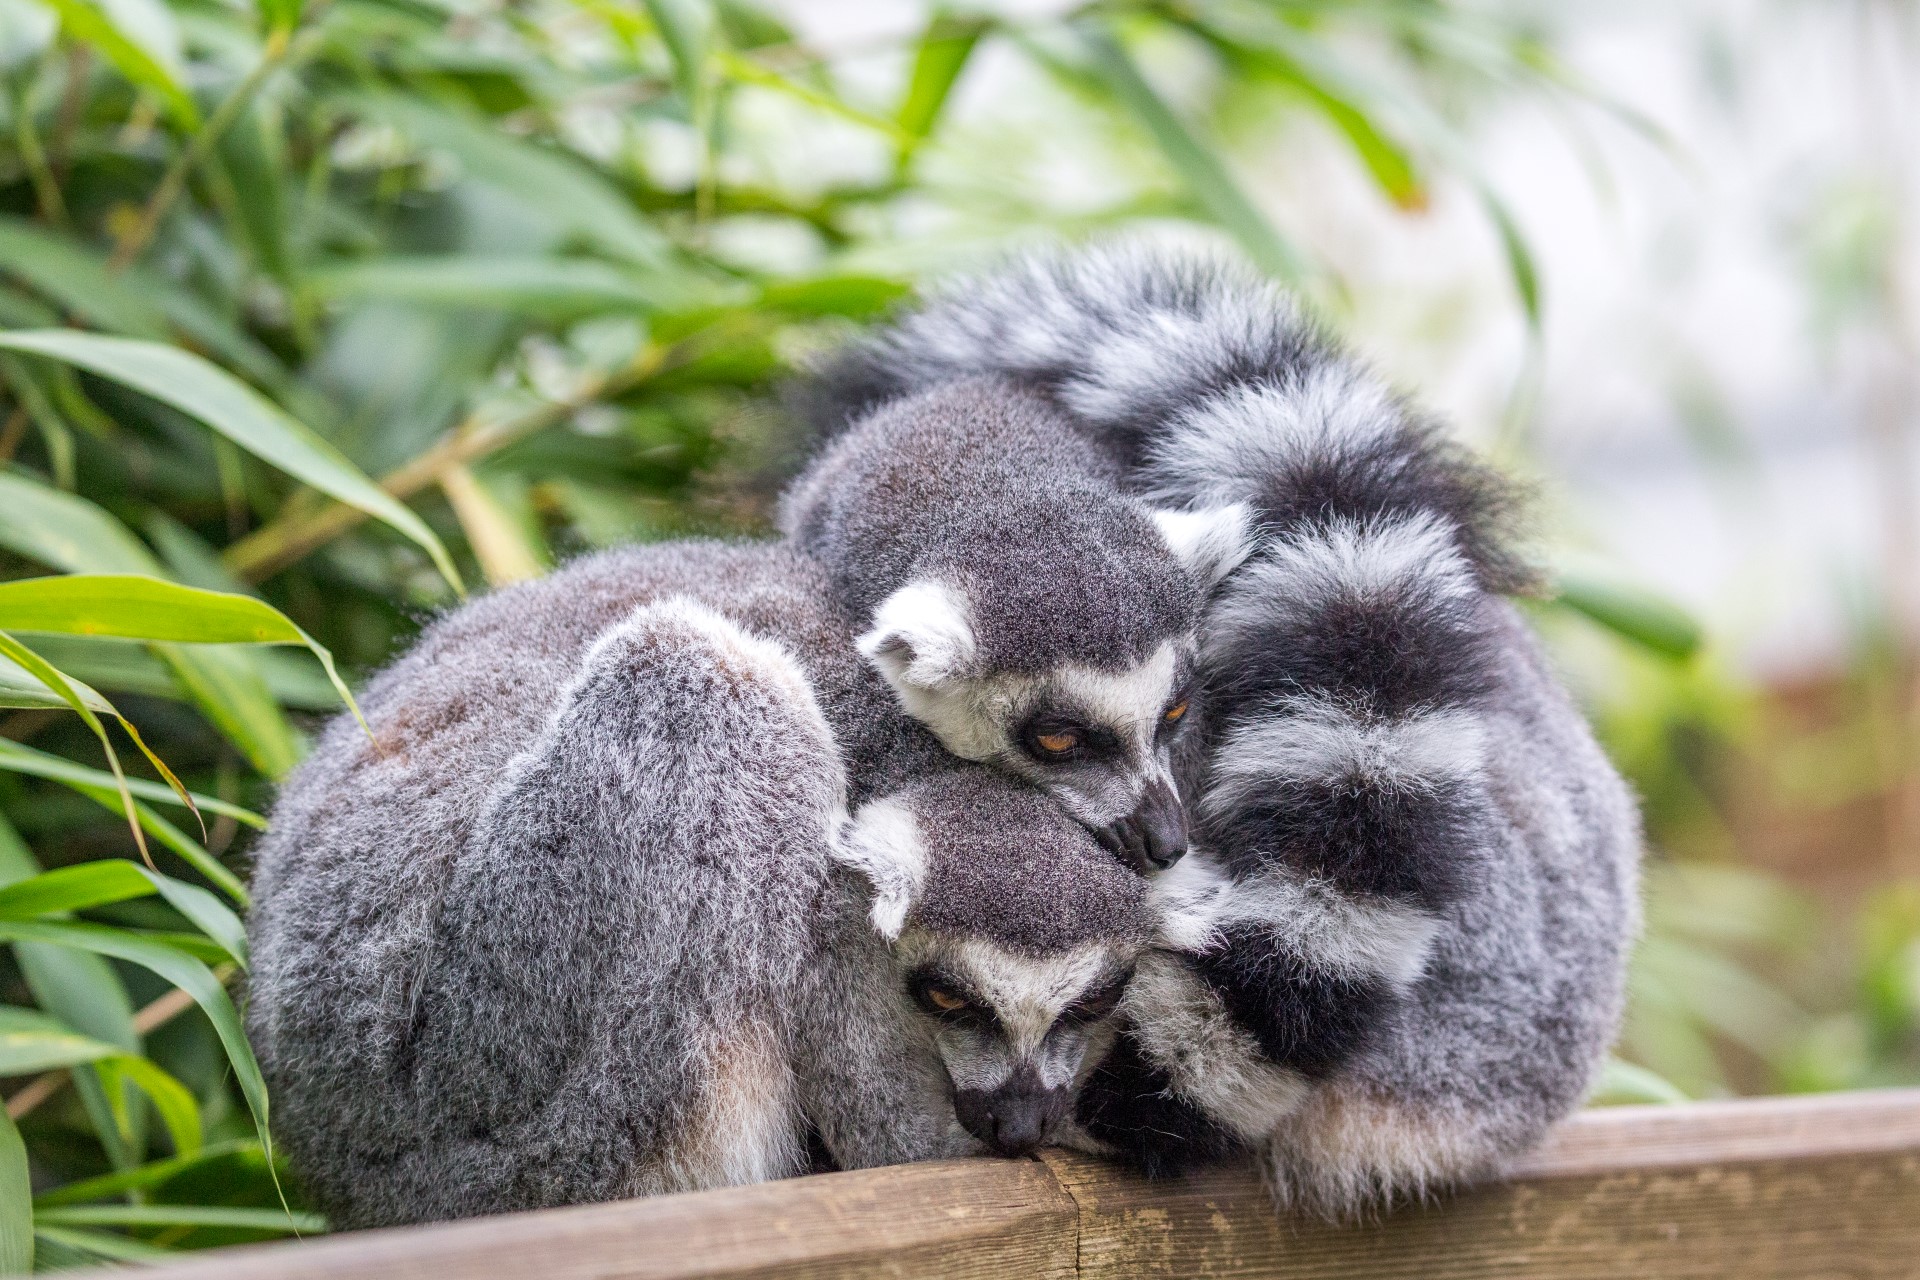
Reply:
x=1418, y=879
x=1022, y=607
x=591, y=920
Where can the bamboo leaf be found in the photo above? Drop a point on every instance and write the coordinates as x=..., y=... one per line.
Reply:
x=16, y=1202
x=76, y=278
x=32, y=1042
x=46, y=674
x=65, y=531
x=945, y=46
x=747, y=71
x=144, y=1177
x=18, y=757
x=143, y=608
x=228, y=687
x=1623, y=1083
x=96, y=884
x=212, y=396
x=19, y=688
x=171, y=1099
x=686, y=27
x=294, y=678
x=1630, y=611
x=81, y=1246
x=140, y=607
x=129, y=56
x=129, y=300
x=182, y=1215
x=189, y=850
x=280, y=15
x=75, y=888
x=1351, y=101
x=1521, y=267
x=80, y=989
x=177, y=967
x=563, y=186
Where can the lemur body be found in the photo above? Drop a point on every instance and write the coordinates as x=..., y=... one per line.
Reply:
x=1417, y=884
x=1028, y=612
x=592, y=920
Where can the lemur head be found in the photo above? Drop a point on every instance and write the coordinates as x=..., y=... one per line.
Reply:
x=1012, y=936
x=1068, y=659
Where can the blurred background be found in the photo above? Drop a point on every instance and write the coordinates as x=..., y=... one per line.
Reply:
x=535, y=267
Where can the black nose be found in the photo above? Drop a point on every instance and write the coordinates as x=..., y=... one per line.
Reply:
x=1154, y=836
x=1016, y=1118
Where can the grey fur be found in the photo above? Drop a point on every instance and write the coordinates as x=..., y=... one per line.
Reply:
x=996, y=558
x=983, y=486
x=586, y=922
x=1402, y=956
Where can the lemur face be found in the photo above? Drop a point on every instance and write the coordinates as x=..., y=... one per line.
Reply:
x=1012, y=936
x=1015, y=1032
x=1098, y=741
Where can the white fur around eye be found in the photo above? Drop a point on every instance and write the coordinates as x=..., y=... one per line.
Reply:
x=922, y=635
x=882, y=842
x=1210, y=542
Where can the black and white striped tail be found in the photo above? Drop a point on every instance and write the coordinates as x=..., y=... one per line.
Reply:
x=1338, y=782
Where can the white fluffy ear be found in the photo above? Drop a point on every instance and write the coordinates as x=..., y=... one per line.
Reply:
x=1211, y=541
x=882, y=842
x=921, y=635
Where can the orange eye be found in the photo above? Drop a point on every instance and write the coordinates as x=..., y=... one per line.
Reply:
x=1175, y=711
x=945, y=1000
x=1058, y=743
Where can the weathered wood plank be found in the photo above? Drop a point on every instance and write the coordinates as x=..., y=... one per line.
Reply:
x=1782, y=1187
x=954, y=1220
x=1778, y=1188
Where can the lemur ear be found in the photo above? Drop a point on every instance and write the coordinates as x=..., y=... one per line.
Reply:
x=1210, y=541
x=921, y=635
x=882, y=842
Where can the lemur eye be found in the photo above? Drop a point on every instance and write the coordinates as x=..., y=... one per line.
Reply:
x=945, y=1000
x=1058, y=742
x=1173, y=713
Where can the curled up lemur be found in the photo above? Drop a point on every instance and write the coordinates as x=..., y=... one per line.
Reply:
x=591, y=919
x=1414, y=883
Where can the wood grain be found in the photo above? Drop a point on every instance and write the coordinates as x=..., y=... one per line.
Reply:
x=1818, y=1187
x=953, y=1220
x=1754, y=1190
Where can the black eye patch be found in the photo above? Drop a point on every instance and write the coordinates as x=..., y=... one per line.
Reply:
x=1178, y=713
x=1054, y=737
x=941, y=997
x=1098, y=1003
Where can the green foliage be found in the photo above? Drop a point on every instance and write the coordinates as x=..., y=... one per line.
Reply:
x=312, y=314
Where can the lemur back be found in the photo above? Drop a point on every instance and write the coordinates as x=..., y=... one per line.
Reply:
x=1416, y=880
x=591, y=920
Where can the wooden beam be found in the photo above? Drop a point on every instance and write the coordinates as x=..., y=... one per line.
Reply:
x=1769, y=1188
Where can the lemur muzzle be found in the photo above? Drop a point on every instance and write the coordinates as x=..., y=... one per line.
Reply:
x=1154, y=836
